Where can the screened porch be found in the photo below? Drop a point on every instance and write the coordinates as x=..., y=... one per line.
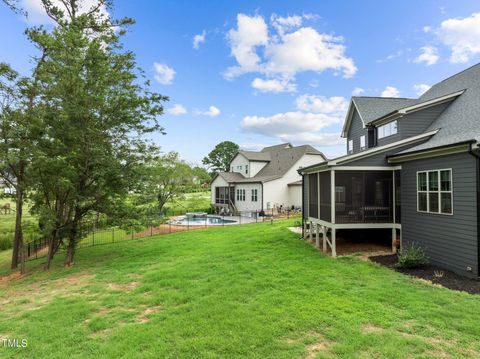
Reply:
x=354, y=196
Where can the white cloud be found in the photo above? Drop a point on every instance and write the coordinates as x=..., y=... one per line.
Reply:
x=420, y=89
x=282, y=24
x=462, y=35
x=177, y=109
x=212, y=112
x=37, y=15
x=427, y=29
x=390, y=91
x=273, y=85
x=391, y=57
x=292, y=49
x=163, y=73
x=251, y=32
x=199, y=39
x=320, y=104
x=357, y=91
x=252, y=146
x=429, y=55
x=313, y=83
x=294, y=126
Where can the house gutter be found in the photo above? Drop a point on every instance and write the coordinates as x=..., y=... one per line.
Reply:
x=477, y=169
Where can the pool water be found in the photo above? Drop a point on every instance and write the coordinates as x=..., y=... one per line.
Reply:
x=199, y=221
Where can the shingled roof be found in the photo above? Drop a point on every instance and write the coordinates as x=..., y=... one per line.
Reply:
x=372, y=108
x=280, y=159
x=460, y=122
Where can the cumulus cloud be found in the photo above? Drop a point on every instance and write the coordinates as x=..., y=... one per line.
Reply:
x=199, y=39
x=321, y=104
x=288, y=50
x=212, y=112
x=294, y=126
x=273, y=85
x=390, y=91
x=163, y=73
x=462, y=36
x=177, y=110
x=37, y=15
x=357, y=91
x=429, y=55
x=420, y=89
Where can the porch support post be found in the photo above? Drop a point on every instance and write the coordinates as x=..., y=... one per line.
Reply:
x=394, y=240
x=317, y=236
x=332, y=194
x=310, y=232
x=304, y=229
x=334, y=242
x=324, y=238
x=394, y=199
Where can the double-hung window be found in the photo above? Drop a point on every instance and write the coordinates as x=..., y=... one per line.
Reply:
x=362, y=142
x=254, y=195
x=388, y=129
x=241, y=195
x=350, y=146
x=435, y=191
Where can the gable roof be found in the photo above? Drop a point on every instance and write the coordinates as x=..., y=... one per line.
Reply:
x=281, y=159
x=255, y=156
x=460, y=122
x=371, y=108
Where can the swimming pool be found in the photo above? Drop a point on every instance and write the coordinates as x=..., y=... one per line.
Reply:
x=202, y=221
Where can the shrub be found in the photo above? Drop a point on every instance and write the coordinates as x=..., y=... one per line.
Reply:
x=412, y=256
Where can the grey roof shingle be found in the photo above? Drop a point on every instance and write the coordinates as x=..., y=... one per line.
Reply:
x=460, y=121
x=281, y=159
x=372, y=108
x=256, y=156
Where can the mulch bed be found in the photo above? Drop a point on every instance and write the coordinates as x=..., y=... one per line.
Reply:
x=431, y=273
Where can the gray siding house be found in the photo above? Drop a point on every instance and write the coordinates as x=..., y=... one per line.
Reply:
x=412, y=166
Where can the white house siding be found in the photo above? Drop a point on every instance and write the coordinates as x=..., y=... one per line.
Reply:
x=240, y=160
x=248, y=204
x=255, y=167
x=295, y=195
x=218, y=182
x=277, y=192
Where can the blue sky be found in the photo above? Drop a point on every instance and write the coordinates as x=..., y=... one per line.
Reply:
x=265, y=72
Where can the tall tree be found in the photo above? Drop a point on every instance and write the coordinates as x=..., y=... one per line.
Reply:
x=96, y=111
x=219, y=158
x=19, y=131
x=163, y=179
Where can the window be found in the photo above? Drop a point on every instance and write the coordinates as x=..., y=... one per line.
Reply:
x=246, y=169
x=239, y=168
x=388, y=129
x=350, y=146
x=362, y=142
x=254, y=195
x=240, y=195
x=435, y=191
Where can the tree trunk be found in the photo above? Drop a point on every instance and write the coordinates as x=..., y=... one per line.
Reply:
x=51, y=249
x=72, y=244
x=18, y=240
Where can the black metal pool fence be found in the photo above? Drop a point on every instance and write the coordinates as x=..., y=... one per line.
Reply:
x=93, y=235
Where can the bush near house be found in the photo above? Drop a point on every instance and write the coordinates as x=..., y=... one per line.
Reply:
x=412, y=256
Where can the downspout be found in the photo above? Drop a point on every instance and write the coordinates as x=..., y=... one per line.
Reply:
x=477, y=169
x=303, y=206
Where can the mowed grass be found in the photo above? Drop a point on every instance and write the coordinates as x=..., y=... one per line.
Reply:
x=242, y=291
x=7, y=223
x=189, y=202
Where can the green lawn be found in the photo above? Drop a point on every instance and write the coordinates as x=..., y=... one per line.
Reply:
x=190, y=202
x=241, y=291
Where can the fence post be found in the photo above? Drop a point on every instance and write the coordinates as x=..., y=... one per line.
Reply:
x=113, y=234
x=256, y=216
x=131, y=229
x=151, y=230
x=93, y=236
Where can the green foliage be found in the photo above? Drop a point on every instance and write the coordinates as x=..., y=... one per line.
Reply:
x=219, y=158
x=242, y=291
x=412, y=256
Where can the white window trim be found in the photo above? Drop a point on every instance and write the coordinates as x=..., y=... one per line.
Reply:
x=254, y=195
x=386, y=124
x=439, y=192
x=364, y=142
x=350, y=148
x=240, y=195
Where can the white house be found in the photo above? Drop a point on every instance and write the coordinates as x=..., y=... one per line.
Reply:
x=263, y=180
